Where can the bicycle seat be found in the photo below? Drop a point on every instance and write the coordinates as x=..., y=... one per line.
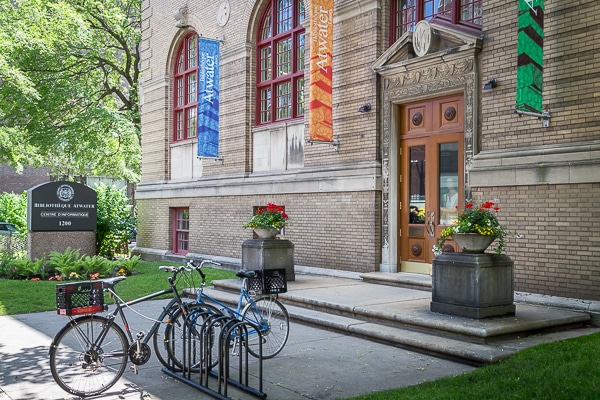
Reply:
x=111, y=282
x=244, y=273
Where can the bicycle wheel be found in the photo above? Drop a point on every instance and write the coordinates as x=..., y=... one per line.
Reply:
x=188, y=343
x=159, y=342
x=274, y=325
x=79, y=364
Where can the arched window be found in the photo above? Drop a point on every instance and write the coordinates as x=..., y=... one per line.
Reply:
x=280, y=62
x=185, y=86
x=406, y=13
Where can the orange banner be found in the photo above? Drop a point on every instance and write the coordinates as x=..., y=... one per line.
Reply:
x=321, y=53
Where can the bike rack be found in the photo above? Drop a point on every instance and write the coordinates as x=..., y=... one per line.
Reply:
x=201, y=330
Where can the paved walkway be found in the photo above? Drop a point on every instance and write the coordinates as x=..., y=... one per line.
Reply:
x=315, y=364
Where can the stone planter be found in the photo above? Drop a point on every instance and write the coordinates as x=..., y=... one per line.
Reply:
x=266, y=233
x=261, y=254
x=473, y=242
x=473, y=285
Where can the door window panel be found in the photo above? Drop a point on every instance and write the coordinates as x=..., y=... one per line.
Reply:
x=448, y=189
x=417, y=185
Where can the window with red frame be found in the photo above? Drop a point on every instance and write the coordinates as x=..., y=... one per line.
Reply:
x=185, y=86
x=406, y=13
x=181, y=230
x=280, y=62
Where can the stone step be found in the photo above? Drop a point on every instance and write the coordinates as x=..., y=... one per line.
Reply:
x=408, y=323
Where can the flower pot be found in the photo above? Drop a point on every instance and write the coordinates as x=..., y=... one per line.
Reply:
x=266, y=233
x=473, y=242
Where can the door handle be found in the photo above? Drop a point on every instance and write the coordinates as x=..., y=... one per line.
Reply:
x=430, y=224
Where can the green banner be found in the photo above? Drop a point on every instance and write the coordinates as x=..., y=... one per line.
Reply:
x=530, y=62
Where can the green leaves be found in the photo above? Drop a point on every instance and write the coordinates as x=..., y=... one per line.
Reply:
x=116, y=220
x=69, y=73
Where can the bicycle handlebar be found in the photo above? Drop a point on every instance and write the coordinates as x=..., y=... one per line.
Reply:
x=190, y=264
x=172, y=269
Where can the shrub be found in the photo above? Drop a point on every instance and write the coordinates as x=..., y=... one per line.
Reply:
x=116, y=220
x=125, y=267
x=13, y=209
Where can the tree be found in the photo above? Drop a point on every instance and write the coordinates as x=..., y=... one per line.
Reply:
x=69, y=72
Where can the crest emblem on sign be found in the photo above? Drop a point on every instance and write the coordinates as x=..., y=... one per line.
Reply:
x=65, y=193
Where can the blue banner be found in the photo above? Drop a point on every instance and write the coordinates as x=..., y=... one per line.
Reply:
x=208, y=97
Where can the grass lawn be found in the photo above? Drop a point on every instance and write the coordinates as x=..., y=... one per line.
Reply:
x=568, y=369
x=20, y=297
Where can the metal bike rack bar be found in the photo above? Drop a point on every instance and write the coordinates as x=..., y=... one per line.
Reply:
x=201, y=329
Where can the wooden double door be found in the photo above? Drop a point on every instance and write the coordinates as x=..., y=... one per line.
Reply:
x=431, y=176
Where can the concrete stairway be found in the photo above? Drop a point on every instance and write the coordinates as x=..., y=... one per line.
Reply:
x=397, y=313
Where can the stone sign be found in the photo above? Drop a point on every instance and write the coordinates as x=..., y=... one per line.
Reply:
x=61, y=206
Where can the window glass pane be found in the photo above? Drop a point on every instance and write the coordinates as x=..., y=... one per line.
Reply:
x=183, y=241
x=265, y=105
x=191, y=88
x=417, y=185
x=448, y=189
x=284, y=103
x=471, y=11
x=181, y=62
x=180, y=92
x=191, y=122
x=284, y=15
x=300, y=12
x=182, y=226
x=405, y=16
x=300, y=51
x=265, y=31
x=192, y=51
x=185, y=97
x=265, y=64
x=444, y=7
x=300, y=97
x=179, y=125
x=284, y=57
x=280, y=62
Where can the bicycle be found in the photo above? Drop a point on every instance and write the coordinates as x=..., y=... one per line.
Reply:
x=263, y=313
x=90, y=353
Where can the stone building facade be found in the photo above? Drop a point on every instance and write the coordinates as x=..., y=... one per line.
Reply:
x=429, y=125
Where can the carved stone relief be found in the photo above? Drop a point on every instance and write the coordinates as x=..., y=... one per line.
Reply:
x=419, y=83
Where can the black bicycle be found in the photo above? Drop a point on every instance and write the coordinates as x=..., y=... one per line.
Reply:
x=90, y=353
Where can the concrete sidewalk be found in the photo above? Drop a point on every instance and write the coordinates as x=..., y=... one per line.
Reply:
x=315, y=364
x=348, y=337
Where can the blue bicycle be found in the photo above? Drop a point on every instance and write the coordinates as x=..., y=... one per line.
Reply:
x=263, y=313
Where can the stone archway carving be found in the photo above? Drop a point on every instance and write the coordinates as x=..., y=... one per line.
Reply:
x=419, y=81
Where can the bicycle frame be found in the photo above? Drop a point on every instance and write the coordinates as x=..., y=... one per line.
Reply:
x=237, y=313
x=120, y=306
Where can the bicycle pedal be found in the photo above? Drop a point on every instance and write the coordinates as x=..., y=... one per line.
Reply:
x=134, y=369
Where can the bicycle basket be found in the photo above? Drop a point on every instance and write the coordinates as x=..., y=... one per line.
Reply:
x=268, y=281
x=79, y=298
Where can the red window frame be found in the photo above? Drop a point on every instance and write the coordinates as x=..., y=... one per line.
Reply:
x=280, y=62
x=420, y=10
x=181, y=230
x=185, y=90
